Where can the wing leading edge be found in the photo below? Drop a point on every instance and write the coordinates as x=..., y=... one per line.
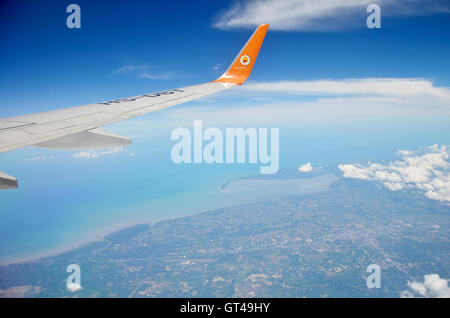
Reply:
x=78, y=127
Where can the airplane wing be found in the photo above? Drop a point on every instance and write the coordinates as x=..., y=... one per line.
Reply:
x=78, y=127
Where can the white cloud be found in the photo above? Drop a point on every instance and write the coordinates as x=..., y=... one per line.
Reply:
x=319, y=15
x=74, y=287
x=97, y=154
x=86, y=155
x=432, y=287
x=305, y=168
x=428, y=172
x=326, y=100
x=403, y=153
x=142, y=71
x=388, y=87
x=40, y=158
x=125, y=69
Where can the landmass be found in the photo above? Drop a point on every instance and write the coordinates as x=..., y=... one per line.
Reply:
x=311, y=245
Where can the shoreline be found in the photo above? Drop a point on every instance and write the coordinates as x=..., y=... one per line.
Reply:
x=97, y=236
x=101, y=234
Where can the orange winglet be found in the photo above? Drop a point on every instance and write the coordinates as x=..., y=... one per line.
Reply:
x=240, y=69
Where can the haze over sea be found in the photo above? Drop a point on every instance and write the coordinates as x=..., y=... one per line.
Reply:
x=64, y=201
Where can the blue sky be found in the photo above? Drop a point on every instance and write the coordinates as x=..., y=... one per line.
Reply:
x=176, y=42
x=338, y=91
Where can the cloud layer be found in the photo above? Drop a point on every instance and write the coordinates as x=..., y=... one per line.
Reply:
x=428, y=172
x=97, y=154
x=389, y=87
x=432, y=287
x=318, y=15
x=294, y=101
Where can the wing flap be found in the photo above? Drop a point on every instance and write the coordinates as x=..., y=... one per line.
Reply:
x=91, y=139
x=4, y=125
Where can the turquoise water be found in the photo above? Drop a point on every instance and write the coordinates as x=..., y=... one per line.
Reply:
x=64, y=201
x=254, y=190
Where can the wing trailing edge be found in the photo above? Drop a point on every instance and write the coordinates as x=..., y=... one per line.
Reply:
x=91, y=139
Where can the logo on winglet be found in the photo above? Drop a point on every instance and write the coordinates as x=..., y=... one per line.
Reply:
x=245, y=59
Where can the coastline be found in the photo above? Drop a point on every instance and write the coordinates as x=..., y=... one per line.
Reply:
x=101, y=234
x=98, y=236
